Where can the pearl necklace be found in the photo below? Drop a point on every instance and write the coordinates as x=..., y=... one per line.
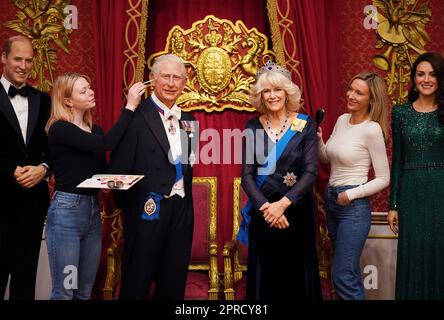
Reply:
x=274, y=132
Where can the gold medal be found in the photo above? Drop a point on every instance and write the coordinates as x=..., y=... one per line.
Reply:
x=150, y=206
x=172, y=129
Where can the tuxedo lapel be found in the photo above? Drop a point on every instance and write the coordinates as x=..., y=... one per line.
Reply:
x=8, y=110
x=33, y=113
x=152, y=118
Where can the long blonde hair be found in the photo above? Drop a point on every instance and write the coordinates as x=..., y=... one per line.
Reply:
x=378, y=99
x=63, y=87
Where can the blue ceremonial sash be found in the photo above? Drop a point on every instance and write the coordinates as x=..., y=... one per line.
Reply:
x=270, y=166
x=151, y=208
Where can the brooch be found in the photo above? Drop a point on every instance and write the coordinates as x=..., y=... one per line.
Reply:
x=290, y=179
x=150, y=206
x=188, y=126
x=298, y=124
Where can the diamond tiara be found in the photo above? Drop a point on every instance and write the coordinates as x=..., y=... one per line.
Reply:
x=270, y=66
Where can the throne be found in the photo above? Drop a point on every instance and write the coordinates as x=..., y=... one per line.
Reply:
x=235, y=253
x=203, y=276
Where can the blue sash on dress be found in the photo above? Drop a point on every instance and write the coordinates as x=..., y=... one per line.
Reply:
x=270, y=166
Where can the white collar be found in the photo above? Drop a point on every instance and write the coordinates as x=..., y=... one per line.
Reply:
x=175, y=111
x=6, y=84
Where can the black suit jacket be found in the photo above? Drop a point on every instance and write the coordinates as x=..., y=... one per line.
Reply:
x=144, y=149
x=15, y=152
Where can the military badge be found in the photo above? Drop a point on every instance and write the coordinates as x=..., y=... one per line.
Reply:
x=150, y=206
x=289, y=179
x=298, y=124
x=188, y=126
x=172, y=129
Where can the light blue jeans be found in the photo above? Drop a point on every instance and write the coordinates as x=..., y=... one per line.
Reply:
x=348, y=227
x=73, y=238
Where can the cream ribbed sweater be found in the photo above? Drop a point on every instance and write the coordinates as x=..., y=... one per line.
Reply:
x=351, y=149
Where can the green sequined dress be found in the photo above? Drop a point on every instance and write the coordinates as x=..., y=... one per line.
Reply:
x=417, y=192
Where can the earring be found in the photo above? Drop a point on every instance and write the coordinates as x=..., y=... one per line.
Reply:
x=415, y=89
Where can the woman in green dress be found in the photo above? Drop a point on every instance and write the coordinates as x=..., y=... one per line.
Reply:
x=417, y=183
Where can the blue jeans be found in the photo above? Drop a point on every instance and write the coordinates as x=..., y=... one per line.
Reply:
x=348, y=227
x=73, y=238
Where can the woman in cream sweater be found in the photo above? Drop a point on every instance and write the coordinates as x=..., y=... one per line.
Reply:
x=357, y=142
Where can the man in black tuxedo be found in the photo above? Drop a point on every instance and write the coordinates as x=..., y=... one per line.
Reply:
x=24, y=112
x=159, y=216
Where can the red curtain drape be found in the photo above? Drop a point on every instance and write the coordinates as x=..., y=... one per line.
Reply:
x=310, y=35
x=312, y=38
x=109, y=22
x=317, y=36
x=110, y=19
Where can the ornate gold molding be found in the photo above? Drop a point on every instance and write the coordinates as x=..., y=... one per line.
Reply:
x=236, y=205
x=211, y=266
x=133, y=66
x=140, y=68
x=238, y=267
x=324, y=240
x=284, y=40
x=401, y=34
x=42, y=22
x=113, y=252
x=221, y=58
x=115, y=220
x=211, y=182
x=276, y=37
x=382, y=236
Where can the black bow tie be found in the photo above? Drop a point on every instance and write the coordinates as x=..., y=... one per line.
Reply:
x=13, y=91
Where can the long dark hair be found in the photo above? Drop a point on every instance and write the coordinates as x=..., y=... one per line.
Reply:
x=437, y=63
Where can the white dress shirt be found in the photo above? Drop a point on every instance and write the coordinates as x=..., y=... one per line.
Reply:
x=20, y=105
x=173, y=139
